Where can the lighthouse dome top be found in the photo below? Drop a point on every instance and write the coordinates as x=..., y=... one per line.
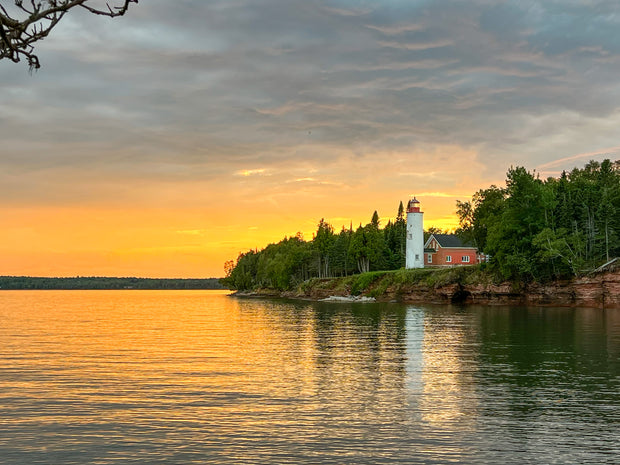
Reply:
x=413, y=206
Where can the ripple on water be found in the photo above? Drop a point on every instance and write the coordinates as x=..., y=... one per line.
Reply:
x=193, y=376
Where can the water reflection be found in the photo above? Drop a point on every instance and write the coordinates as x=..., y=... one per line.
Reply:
x=448, y=346
x=181, y=377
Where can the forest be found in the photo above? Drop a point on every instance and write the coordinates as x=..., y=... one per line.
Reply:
x=539, y=230
x=81, y=282
x=532, y=229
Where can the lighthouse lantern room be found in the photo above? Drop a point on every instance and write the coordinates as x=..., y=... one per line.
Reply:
x=415, y=235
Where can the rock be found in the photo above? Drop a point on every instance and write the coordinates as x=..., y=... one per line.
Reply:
x=598, y=290
x=348, y=298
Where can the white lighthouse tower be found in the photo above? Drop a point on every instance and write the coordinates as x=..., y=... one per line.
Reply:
x=415, y=235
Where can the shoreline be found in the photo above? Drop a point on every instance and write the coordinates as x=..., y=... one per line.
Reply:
x=598, y=290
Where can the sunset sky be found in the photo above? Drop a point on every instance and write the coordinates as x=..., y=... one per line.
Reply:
x=163, y=143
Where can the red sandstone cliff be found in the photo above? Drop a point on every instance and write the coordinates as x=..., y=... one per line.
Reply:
x=601, y=290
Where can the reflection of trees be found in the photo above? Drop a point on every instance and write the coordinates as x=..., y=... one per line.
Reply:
x=474, y=383
x=516, y=380
x=332, y=373
x=548, y=376
x=361, y=351
x=552, y=348
x=356, y=349
x=546, y=364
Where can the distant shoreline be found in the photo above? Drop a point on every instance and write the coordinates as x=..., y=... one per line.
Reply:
x=107, y=283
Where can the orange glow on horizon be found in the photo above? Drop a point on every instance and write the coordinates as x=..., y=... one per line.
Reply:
x=187, y=228
x=95, y=242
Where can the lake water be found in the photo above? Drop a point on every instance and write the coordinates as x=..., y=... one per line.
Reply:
x=181, y=377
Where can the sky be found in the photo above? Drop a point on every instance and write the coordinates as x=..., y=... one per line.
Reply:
x=165, y=142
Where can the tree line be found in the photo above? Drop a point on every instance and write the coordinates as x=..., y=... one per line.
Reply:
x=532, y=229
x=537, y=229
x=329, y=254
x=81, y=282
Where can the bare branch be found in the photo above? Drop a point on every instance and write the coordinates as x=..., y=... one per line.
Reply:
x=29, y=22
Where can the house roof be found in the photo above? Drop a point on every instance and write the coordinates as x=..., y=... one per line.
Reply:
x=450, y=240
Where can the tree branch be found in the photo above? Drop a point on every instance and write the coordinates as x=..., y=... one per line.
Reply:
x=29, y=22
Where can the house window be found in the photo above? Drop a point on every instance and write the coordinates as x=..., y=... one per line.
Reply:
x=417, y=256
x=430, y=258
x=465, y=258
x=448, y=258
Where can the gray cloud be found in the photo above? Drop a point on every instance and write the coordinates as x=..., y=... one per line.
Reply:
x=193, y=89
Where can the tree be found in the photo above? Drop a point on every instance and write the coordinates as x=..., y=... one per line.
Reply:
x=555, y=246
x=359, y=249
x=395, y=238
x=525, y=214
x=340, y=263
x=488, y=208
x=375, y=220
x=242, y=276
x=324, y=241
x=538, y=230
x=434, y=230
x=400, y=232
x=465, y=212
x=30, y=21
x=367, y=246
x=609, y=182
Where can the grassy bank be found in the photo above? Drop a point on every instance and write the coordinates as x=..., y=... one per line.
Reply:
x=389, y=284
x=468, y=284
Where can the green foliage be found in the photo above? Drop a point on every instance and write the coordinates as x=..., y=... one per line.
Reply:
x=540, y=230
x=364, y=280
x=82, y=282
x=324, y=242
x=290, y=262
x=374, y=221
x=395, y=241
x=533, y=229
x=367, y=248
x=375, y=284
x=414, y=276
x=434, y=230
x=446, y=276
x=465, y=213
x=487, y=205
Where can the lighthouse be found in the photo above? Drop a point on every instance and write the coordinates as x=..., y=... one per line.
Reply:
x=415, y=235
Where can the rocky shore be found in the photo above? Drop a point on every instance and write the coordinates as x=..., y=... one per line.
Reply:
x=597, y=290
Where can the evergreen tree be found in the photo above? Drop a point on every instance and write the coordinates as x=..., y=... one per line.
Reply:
x=323, y=242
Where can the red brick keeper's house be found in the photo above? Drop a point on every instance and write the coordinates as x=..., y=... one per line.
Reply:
x=449, y=250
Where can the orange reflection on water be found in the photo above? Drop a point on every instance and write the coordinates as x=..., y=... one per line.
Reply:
x=446, y=377
x=195, y=376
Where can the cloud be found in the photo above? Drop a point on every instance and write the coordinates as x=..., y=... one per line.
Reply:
x=416, y=46
x=254, y=172
x=609, y=153
x=236, y=101
x=442, y=194
x=219, y=75
x=396, y=29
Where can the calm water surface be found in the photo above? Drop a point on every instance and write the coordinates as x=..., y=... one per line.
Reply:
x=180, y=377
